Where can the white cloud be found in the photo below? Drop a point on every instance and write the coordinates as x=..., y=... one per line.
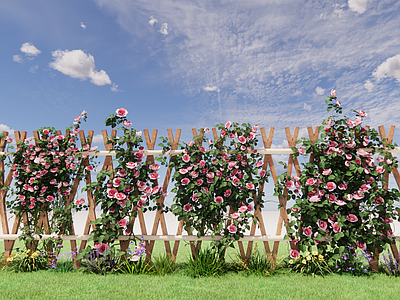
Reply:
x=78, y=64
x=33, y=69
x=30, y=50
x=389, y=68
x=152, y=21
x=17, y=58
x=369, y=85
x=211, y=88
x=114, y=88
x=307, y=106
x=358, y=6
x=164, y=28
x=319, y=90
x=83, y=25
x=98, y=139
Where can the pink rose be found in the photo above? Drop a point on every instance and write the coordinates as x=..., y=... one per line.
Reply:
x=336, y=228
x=116, y=182
x=322, y=224
x=232, y=229
x=121, y=112
x=362, y=246
x=327, y=172
x=352, y=218
x=186, y=158
x=333, y=93
x=362, y=113
x=155, y=167
x=235, y=215
x=227, y=193
x=329, y=122
x=127, y=123
x=139, y=154
x=310, y=181
x=243, y=209
x=50, y=198
x=122, y=222
x=185, y=181
x=315, y=198
x=242, y=139
x=154, y=176
x=331, y=186
x=228, y=124
x=294, y=253
x=120, y=196
x=250, y=186
x=187, y=207
x=379, y=169
x=139, y=133
x=80, y=201
x=307, y=231
x=131, y=165
x=218, y=199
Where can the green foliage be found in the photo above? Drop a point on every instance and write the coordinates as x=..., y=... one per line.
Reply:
x=311, y=264
x=353, y=262
x=390, y=265
x=63, y=266
x=207, y=262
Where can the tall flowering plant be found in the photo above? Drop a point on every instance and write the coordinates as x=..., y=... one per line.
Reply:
x=339, y=200
x=44, y=169
x=215, y=189
x=129, y=188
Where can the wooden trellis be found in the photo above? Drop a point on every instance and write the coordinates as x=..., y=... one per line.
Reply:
x=159, y=220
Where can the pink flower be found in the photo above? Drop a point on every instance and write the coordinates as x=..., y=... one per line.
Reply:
x=307, y=231
x=199, y=182
x=362, y=113
x=50, y=198
x=362, y=246
x=379, y=169
x=139, y=154
x=331, y=186
x=187, y=207
x=155, y=167
x=127, y=123
x=122, y=222
x=232, y=229
x=301, y=150
x=310, y=181
x=121, y=112
x=186, y=158
x=242, y=209
x=235, y=215
x=347, y=163
x=80, y=201
x=329, y=122
x=154, y=176
x=139, y=133
x=289, y=184
x=322, y=224
x=46, y=131
x=343, y=186
x=218, y=199
x=185, y=181
x=227, y=193
x=350, y=123
x=228, y=124
x=120, y=196
x=389, y=161
x=250, y=186
x=294, y=253
x=333, y=93
x=327, y=172
x=194, y=198
x=242, y=139
x=262, y=173
x=340, y=202
x=131, y=165
x=336, y=228
x=352, y=218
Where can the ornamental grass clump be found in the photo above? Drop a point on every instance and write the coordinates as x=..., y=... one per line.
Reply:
x=341, y=198
x=207, y=262
x=216, y=189
x=257, y=264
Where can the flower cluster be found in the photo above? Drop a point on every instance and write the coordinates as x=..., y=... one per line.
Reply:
x=214, y=189
x=340, y=198
x=310, y=264
x=131, y=187
x=44, y=168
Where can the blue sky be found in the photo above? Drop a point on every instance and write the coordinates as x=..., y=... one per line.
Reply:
x=184, y=64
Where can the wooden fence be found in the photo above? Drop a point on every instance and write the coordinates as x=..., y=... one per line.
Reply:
x=10, y=236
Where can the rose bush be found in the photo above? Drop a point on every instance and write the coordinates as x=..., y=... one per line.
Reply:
x=340, y=200
x=44, y=169
x=129, y=188
x=215, y=189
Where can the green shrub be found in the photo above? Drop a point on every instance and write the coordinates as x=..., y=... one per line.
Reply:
x=27, y=261
x=164, y=264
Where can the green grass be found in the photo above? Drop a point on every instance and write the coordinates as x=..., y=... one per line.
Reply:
x=50, y=285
